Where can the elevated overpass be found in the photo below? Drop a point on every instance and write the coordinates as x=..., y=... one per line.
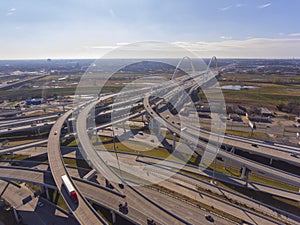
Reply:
x=98, y=194
x=4, y=151
x=282, y=175
x=134, y=198
x=83, y=211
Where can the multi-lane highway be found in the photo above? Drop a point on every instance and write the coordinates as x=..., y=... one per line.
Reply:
x=187, y=185
x=82, y=210
x=282, y=153
x=27, y=120
x=110, y=199
x=141, y=206
x=221, y=177
x=240, y=159
x=280, y=174
x=134, y=198
x=163, y=166
x=271, y=151
x=21, y=147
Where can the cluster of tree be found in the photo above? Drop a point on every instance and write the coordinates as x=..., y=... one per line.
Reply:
x=291, y=107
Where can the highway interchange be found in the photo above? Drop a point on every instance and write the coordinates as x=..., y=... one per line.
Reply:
x=143, y=202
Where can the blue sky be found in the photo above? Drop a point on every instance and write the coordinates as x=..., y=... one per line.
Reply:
x=83, y=28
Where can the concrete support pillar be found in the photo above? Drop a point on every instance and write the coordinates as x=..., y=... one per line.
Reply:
x=107, y=183
x=42, y=189
x=97, y=137
x=68, y=126
x=18, y=219
x=156, y=128
x=299, y=193
x=174, y=141
x=47, y=193
x=232, y=151
x=124, y=130
x=11, y=157
x=90, y=133
x=243, y=172
x=113, y=216
x=251, y=132
x=271, y=161
x=70, y=211
x=247, y=179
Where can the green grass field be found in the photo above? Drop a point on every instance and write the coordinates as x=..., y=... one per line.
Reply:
x=273, y=89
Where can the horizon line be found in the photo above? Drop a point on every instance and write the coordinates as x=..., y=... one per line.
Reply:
x=90, y=58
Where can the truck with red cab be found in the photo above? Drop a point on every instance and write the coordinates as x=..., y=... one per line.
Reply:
x=70, y=188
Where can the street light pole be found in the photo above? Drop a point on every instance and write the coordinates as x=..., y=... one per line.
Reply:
x=214, y=170
x=116, y=153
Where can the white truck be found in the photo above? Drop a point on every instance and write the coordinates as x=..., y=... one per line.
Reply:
x=70, y=188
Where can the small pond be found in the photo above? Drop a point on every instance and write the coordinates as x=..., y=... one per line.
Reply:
x=237, y=87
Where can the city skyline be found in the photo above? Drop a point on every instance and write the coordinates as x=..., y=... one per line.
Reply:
x=76, y=29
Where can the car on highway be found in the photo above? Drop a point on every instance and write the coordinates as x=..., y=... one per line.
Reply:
x=40, y=204
x=269, y=142
x=293, y=154
x=55, y=132
x=220, y=158
x=150, y=222
x=123, y=207
x=209, y=218
x=255, y=145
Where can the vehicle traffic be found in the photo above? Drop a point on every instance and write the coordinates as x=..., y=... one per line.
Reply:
x=70, y=188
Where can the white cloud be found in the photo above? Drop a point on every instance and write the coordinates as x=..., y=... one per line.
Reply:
x=294, y=35
x=104, y=47
x=264, y=6
x=226, y=37
x=249, y=48
x=112, y=12
x=239, y=5
x=122, y=43
x=11, y=12
x=227, y=48
x=226, y=8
